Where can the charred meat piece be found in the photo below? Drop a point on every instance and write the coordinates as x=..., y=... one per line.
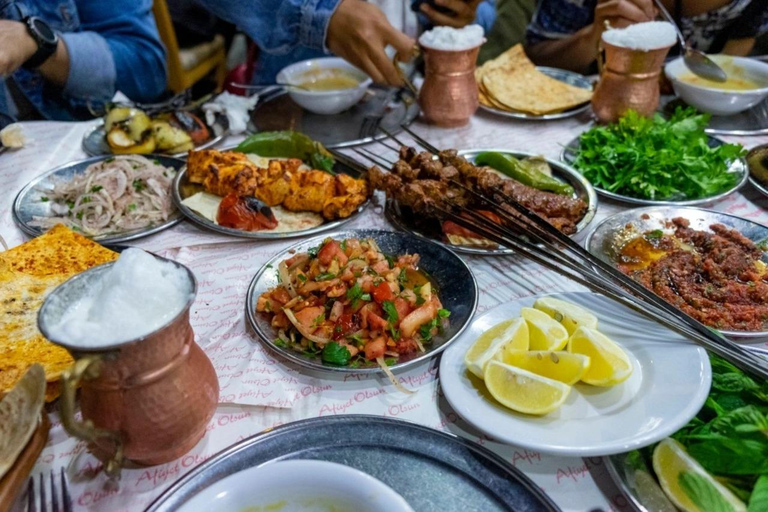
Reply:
x=405, y=171
x=383, y=180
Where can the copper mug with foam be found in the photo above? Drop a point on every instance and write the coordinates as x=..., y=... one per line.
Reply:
x=449, y=96
x=147, y=400
x=629, y=79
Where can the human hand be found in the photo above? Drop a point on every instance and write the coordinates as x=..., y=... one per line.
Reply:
x=463, y=12
x=622, y=13
x=359, y=33
x=16, y=46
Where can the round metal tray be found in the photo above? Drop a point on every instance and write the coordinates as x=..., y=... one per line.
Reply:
x=182, y=189
x=738, y=167
x=432, y=470
x=454, y=281
x=380, y=108
x=612, y=232
x=582, y=188
x=563, y=75
x=95, y=139
x=28, y=204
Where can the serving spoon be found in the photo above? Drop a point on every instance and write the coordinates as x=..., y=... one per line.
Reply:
x=695, y=60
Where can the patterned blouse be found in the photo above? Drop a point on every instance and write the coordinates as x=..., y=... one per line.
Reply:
x=709, y=31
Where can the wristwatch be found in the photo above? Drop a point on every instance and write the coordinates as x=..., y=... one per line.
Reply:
x=47, y=40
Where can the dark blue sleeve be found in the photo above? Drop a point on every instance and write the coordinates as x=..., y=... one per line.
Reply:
x=556, y=19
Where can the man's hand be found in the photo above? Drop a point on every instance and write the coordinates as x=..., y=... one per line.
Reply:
x=359, y=32
x=622, y=13
x=16, y=46
x=463, y=12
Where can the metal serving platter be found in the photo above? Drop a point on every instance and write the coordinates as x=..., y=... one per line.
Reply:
x=430, y=229
x=95, y=140
x=453, y=280
x=432, y=470
x=28, y=204
x=182, y=189
x=738, y=167
x=753, y=121
x=610, y=235
x=563, y=75
x=380, y=108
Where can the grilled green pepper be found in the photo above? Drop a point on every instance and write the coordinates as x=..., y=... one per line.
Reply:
x=289, y=144
x=525, y=174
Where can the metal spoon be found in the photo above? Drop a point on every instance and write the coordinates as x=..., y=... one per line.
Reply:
x=695, y=60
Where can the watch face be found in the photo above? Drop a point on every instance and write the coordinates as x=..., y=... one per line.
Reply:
x=44, y=31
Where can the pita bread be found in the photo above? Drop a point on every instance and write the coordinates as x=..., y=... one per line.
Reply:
x=28, y=273
x=511, y=82
x=19, y=415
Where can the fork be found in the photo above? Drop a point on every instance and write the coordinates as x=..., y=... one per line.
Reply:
x=57, y=505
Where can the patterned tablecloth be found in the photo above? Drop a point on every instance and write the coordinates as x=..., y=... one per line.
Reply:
x=259, y=391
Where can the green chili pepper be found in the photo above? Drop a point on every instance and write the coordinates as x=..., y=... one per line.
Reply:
x=289, y=144
x=525, y=174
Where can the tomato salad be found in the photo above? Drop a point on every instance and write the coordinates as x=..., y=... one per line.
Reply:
x=348, y=303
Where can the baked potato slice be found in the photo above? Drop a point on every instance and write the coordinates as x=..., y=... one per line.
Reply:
x=171, y=139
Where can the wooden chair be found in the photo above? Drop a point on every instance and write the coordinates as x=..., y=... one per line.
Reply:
x=188, y=66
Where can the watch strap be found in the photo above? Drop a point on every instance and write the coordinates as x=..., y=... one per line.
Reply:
x=44, y=48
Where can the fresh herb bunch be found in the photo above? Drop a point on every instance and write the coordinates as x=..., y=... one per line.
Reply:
x=657, y=158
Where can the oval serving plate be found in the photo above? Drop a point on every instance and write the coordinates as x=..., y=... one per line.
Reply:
x=454, y=281
x=182, y=189
x=738, y=167
x=669, y=383
x=462, y=475
x=612, y=232
x=28, y=204
x=569, y=77
x=95, y=139
x=430, y=230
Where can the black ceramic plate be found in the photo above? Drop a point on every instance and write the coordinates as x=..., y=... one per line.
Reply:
x=455, y=285
x=432, y=470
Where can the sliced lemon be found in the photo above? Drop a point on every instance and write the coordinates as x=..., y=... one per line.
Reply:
x=561, y=366
x=570, y=315
x=509, y=333
x=545, y=333
x=609, y=364
x=524, y=391
x=671, y=462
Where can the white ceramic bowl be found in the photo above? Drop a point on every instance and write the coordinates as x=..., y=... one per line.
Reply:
x=324, y=102
x=717, y=101
x=299, y=486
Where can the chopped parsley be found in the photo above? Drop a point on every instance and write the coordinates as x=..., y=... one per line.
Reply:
x=139, y=185
x=71, y=204
x=325, y=277
x=443, y=313
x=425, y=331
x=656, y=234
x=336, y=354
x=281, y=343
x=318, y=320
x=402, y=278
x=344, y=245
x=85, y=200
x=109, y=160
x=390, y=361
x=79, y=215
x=131, y=207
x=391, y=311
x=390, y=261
x=96, y=188
x=312, y=251
x=302, y=278
x=44, y=199
x=419, y=298
x=354, y=294
x=366, y=296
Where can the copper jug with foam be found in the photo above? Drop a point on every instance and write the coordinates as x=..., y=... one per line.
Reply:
x=146, y=400
x=449, y=96
x=629, y=79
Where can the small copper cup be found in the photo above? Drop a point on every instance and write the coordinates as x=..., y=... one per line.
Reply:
x=449, y=96
x=629, y=79
x=147, y=400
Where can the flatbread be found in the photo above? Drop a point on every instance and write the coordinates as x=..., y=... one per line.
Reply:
x=512, y=82
x=19, y=415
x=28, y=273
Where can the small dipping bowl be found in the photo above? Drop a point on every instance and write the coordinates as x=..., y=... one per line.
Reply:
x=323, y=102
x=716, y=101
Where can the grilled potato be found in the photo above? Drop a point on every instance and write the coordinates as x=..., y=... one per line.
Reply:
x=120, y=142
x=171, y=139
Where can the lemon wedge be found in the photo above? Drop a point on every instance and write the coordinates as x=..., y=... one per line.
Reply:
x=609, y=364
x=545, y=333
x=570, y=315
x=523, y=391
x=510, y=333
x=674, y=467
x=561, y=366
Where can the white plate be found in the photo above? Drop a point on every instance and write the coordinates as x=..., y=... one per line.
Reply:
x=668, y=386
x=299, y=485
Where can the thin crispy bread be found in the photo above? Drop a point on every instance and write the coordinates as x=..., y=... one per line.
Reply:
x=28, y=273
x=512, y=82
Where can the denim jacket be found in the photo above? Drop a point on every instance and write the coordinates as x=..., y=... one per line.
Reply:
x=289, y=31
x=112, y=45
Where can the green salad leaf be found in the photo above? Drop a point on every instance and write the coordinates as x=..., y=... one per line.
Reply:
x=657, y=158
x=334, y=353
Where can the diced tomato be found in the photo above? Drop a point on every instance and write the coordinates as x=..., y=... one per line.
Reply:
x=375, y=348
x=308, y=317
x=403, y=307
x=281, y=295
x=346, y=324
x=382, y=292
x=330, y=251
x=380, y=267
x=280, y=321
x=376, y=323
x=406, y=346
